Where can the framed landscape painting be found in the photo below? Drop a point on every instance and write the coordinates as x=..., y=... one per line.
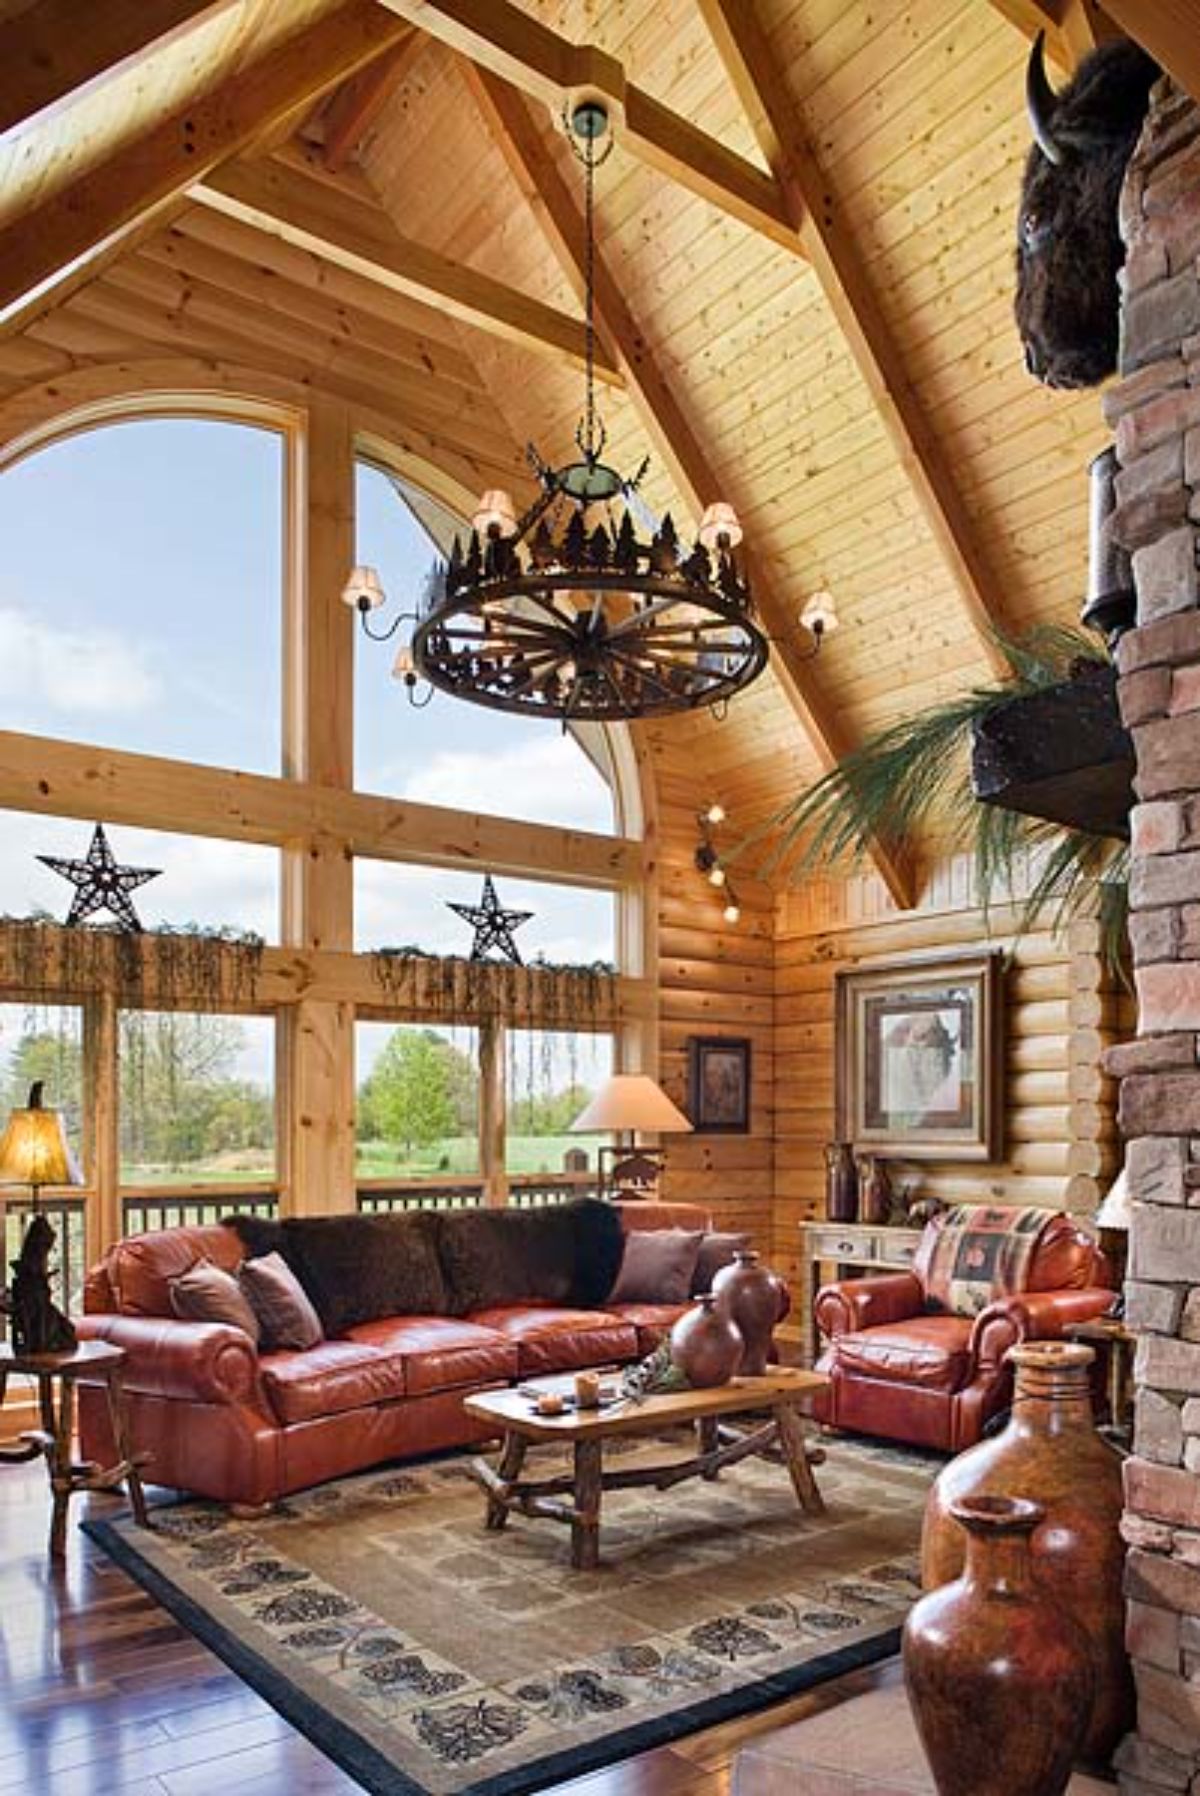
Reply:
x=719, y=1084
x=920, y=1058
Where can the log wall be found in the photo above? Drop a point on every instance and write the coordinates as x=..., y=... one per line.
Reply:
x=1061, y=1009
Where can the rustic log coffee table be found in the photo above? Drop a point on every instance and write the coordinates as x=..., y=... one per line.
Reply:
x=514, y=1417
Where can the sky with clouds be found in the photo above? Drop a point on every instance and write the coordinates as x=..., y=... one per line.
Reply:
x=140, y=606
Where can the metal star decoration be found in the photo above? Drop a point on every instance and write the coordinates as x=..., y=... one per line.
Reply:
x=493, y=925
x=100, y=884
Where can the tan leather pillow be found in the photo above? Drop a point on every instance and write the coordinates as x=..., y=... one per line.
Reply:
x=207, y=1293
x=281, y=1304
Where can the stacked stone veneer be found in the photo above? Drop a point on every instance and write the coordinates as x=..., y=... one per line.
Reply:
x=1156, y=414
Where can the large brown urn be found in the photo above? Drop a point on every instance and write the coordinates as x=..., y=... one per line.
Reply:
x=706, y=1344
x=998, y=1673
x=1050, y=1452
x=752, y=1296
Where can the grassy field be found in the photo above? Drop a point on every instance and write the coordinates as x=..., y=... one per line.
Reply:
x=456, y=1158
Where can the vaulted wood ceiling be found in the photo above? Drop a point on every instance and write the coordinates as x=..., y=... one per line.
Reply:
x=804, y=289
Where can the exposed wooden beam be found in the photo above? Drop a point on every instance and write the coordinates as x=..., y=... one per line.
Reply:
x=357, y=234
x=63, y=779
x=50, y=235
x=1169, y=30
x=359, y=101
x=509, y=42
x=535, y=169
x=51, y=48
x=762, y=87
x=1073, y=28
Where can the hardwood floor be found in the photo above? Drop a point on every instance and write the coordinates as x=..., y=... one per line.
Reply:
x=105, y=1695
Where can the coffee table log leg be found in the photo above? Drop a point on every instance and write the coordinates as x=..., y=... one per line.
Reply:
x=708, y=1429
x=795, y=1457
x=585, y=1523
x=508, y=1470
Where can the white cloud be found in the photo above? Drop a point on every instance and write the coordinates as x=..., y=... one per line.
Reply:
x=547, y=780
x=45, y=667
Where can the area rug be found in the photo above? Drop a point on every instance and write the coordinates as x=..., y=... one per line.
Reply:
x=426, y=1655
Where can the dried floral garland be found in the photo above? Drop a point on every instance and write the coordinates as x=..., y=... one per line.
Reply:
x=202, y=969
x=542, y=995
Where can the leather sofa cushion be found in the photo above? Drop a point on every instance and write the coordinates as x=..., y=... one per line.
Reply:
x=560, y=1340
x=930, y=1351
x=653, y=1321
x=325, y=1380
x=441, y=1353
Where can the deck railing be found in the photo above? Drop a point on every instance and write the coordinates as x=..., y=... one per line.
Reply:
x=192, y=1206
x=526, y=1191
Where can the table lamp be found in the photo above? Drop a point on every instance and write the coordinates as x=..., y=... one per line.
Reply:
x=630, y=1104
x=34, y=1152
x=1113, y=1220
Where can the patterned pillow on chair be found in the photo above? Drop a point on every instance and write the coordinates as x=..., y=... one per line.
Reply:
x=981, y=1252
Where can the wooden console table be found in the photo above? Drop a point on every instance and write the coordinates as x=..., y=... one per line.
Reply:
x=839, y=1248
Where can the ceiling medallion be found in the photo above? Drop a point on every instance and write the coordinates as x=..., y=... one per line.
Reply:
x=566, y=611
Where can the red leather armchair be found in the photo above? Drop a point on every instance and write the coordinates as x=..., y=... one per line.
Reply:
x=898, y=1368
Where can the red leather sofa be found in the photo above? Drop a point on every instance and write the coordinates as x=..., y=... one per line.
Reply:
x=900, y=1370
x=220, y=1419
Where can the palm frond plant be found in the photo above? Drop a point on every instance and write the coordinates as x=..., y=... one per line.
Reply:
x=916, y=774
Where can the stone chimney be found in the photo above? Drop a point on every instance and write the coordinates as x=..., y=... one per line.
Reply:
x=1156, y=413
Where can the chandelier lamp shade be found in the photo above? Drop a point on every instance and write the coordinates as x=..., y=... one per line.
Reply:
x=819, y=619
x=571, y=609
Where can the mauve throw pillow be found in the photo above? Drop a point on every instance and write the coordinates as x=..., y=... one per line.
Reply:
x=207, y=1293
x=285, y=1315
x=657, y=1266
x=716, y=1250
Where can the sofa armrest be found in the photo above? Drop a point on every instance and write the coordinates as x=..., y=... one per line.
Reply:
x=1031, y=1316
x=203, y=1362
x=857, y=1303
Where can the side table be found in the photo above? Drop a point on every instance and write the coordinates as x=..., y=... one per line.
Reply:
x=867, y=1247
x=99, y=1363
x=1110, y=1335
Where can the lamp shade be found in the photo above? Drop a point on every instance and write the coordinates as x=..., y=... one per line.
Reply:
x=630, y=1101
x=1116, y=1212
x=33, y=1147
x=363, y=591
x=819, y=615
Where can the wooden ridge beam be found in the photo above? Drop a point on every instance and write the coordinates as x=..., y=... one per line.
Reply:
x=760, y=82
x=510, y=43
x=51, y=236
x=357, y=234
x=359, y=101
x=1169, y=30
x=53, y=778
x=51, y=48
x=533, y=165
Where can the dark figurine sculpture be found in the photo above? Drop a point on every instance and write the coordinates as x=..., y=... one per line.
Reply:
x=38, y=1325
x=1069, y=248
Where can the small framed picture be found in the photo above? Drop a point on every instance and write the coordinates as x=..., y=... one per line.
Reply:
x=719, y=1084
x=920, y=1052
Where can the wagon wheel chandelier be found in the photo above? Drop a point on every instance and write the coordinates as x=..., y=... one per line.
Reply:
x=566, y=611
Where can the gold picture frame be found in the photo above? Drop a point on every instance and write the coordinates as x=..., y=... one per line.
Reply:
x=920, y=1057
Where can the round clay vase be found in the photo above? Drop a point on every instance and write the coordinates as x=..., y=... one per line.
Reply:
x=706, y=1344
x=748, y=1292
x=1050, y=1452
x=841, y=1182
x=999, y=1676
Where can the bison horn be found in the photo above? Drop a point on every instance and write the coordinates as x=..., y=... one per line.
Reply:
x=1041, y=101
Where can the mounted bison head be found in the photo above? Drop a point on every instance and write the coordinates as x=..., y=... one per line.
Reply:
x=1068, y=244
